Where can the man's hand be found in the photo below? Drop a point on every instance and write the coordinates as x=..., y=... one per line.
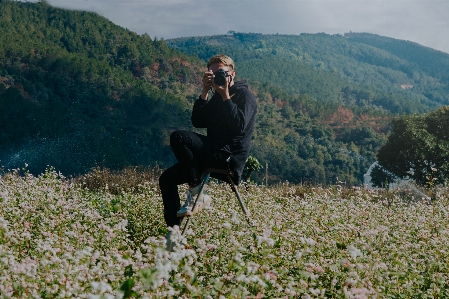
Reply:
x=222, y=90
x=208, y=82
x=208, y=78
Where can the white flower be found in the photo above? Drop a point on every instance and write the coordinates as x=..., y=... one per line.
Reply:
x=344, y=262
x=119, y=294
x=71, y=234
x=252, y=267
x=265, y=238
x=315, y=292
x=235, y=218
x=308, y=241
x=251, y=278
x=4, y=195
x=101, y=287
x=3, y=223
x=354, y=252
x=121, y=226
x=227, y=225
x=26, y=235
x=238, y=259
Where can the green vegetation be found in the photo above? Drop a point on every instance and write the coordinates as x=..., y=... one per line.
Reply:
x=61, y=240
x=303, y=140
x=334, y=79
x=252, y=164
x=418, y=148
x=357, y=69
x=79, y=92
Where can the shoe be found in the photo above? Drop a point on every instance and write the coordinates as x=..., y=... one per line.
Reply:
x=175, y=239
x=168, y=242
x=186, y=209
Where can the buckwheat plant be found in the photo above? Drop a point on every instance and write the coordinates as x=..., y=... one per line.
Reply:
x=59, y=239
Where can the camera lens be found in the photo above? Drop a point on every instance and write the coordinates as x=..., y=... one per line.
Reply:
x=220, y=77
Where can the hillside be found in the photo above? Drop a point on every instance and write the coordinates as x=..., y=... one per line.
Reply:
x=361, y=69
x=77, y=91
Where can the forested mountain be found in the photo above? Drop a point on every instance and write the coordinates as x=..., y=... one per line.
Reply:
x=77, y=91
x=365, y=74
x=356, y=69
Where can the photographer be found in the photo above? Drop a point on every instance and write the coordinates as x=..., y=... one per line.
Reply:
x=229, y=118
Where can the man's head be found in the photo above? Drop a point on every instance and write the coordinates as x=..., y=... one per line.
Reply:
x=224, y=63
x=221, y=58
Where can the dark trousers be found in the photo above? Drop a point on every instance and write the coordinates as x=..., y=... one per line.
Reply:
x=194, y=152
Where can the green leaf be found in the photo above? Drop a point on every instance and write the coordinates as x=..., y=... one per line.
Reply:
x=126, y=288
x=341, y=246
x=218, y=285
x=129, y=272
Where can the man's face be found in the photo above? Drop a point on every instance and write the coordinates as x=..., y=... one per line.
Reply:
x=220, y=66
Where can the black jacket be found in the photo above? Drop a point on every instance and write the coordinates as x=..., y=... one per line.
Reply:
x=229, y=124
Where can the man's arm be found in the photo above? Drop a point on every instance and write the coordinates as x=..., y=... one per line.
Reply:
x=200, y=112
x=239, y=112
x=207, y=84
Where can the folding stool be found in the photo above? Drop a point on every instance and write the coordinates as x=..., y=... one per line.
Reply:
x=229, y=175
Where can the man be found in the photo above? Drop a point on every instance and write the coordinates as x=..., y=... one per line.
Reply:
x=229, y=118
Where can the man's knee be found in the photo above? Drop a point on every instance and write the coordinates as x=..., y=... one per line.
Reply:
x=176, y=137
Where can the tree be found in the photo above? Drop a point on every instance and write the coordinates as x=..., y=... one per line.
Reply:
x=382, y=178
x=418, y=148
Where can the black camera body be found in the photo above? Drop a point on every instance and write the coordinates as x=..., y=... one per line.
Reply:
x=220, y=77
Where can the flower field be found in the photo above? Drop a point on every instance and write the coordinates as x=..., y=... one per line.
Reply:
x=61, y=239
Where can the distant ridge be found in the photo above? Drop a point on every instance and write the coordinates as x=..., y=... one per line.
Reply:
x=77, y=91
x=433, y=62
x=369, y=61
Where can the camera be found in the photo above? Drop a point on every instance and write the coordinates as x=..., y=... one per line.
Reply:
x=220, y=77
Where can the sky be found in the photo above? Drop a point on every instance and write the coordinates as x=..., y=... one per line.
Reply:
x=425, y=22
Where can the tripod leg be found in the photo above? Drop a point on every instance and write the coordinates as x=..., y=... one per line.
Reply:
x=203, y=184
x=242, y=205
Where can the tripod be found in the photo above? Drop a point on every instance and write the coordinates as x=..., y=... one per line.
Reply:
x=229, y=175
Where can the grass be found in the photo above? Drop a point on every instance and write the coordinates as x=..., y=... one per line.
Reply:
x=101, y=236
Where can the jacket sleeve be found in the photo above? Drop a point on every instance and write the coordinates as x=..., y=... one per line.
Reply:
x=200, y=113
x=239, y=112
